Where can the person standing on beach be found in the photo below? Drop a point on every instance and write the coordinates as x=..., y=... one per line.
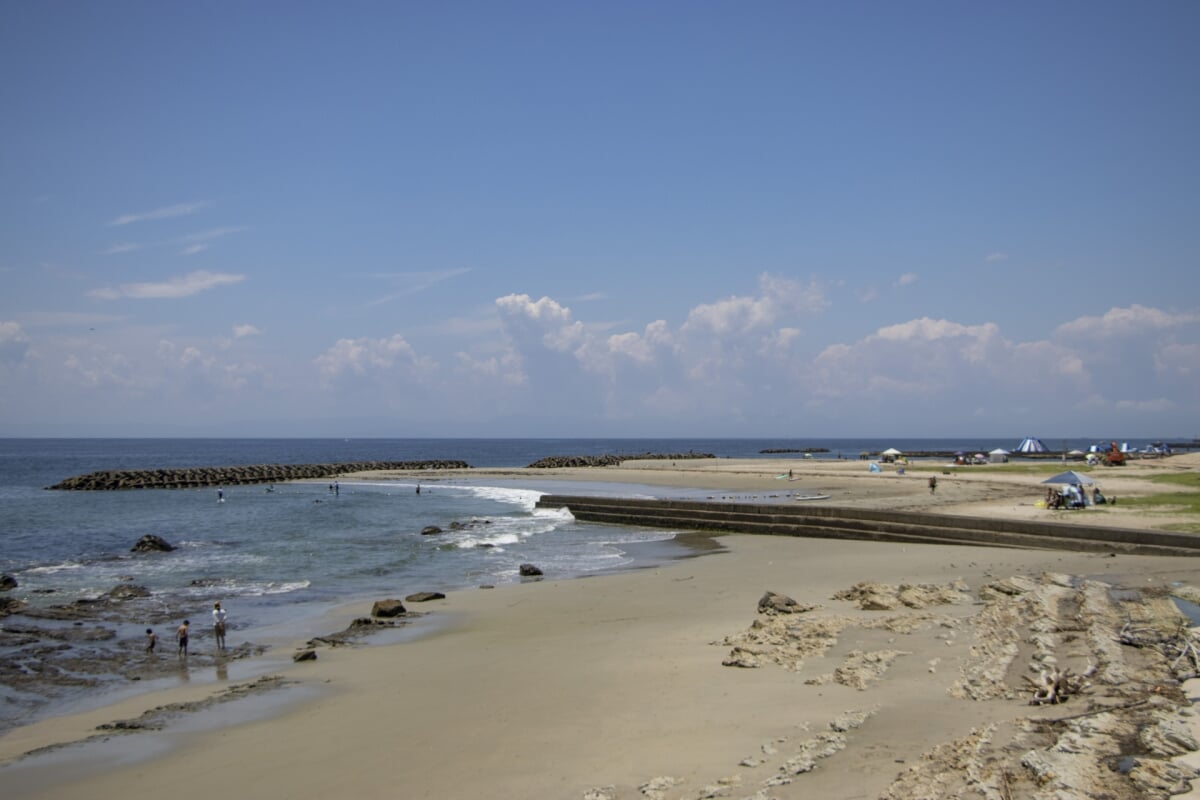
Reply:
x=932, y=484
x=181, y=635
x=151, y=640
x=219, y=625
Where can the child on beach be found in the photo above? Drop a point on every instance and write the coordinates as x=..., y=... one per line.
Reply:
x=182, y=635
x=151, y=640
x=219, y=625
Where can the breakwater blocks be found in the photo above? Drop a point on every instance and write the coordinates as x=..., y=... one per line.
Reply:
x=191, y=477
x=554, y=462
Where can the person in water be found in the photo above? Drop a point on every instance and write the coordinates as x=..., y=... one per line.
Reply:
x=219, y=625
x=151, y=640
x=181, y=635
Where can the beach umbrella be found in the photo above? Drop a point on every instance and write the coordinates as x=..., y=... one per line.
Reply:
x=1071, y=477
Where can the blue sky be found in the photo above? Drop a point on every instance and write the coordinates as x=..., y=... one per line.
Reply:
x=600, y=219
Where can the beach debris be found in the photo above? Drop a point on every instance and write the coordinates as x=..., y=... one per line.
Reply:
x=305, y=655
x=860, y=669
x=742, y=657
x=424, y=597
x=608, y=792
x=152, y=543
x=7, y=583
x=656, y=788
x=1180, y=648
x=1058, y=686
x=387, y=608
x=529, y=571
x=870, y=596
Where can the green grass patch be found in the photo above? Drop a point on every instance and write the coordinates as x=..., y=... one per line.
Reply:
x=1008, y=469
x=1189, y=479
x=1172, y=502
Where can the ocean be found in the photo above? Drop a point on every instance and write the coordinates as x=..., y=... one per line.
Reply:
x=280, y=557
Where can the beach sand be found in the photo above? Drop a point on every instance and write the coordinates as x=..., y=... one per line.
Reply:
x=669, y=682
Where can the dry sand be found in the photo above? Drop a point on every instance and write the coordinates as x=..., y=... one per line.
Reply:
x=618, y=686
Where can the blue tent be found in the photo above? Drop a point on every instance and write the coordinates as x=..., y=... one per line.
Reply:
x=1031, y=445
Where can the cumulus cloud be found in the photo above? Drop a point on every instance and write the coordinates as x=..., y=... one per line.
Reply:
x=177, y=210
x=174, y=288
x=370, y=357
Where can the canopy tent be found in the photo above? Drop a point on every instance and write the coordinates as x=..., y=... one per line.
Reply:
x=1070, y=476
x=998, y=456
x=891, y=451
x=1032, y=445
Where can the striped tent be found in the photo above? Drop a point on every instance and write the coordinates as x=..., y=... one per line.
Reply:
x=1031, y=445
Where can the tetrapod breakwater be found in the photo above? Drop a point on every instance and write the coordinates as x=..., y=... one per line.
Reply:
x=192, y=477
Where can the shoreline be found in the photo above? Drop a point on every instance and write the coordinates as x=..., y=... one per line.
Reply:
x=482, y=702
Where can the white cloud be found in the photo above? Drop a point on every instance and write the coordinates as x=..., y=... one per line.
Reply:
x=193, y=249
x=14, y=344
x=182, y=286
x=1156, y=406
x=907, y=279
x=1127, y=321
x=123, y=247
x=371, y=357
x=245, y=330
x=992, y=258
x=177, y=210
x=410, y=283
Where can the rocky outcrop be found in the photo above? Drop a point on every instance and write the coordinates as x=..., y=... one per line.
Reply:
x=530, y=571
x=151, y=543
x=552, y=462
x=424, y=597
x=7, y=583
x=192, y=477
x=430, y=530
x=387, y=608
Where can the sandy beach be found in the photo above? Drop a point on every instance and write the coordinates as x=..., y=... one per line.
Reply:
x=898, y=671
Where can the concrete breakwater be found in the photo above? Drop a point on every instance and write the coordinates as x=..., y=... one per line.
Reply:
x=829, y=522
x=552, y=462
x=191, y=477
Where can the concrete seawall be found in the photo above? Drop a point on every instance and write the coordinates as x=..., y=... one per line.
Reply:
x=780, y=519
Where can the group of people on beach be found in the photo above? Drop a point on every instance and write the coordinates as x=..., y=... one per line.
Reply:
x=182, y=632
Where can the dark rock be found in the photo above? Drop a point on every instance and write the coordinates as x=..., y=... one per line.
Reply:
x=423, y=597
x=151, y=543
x=430, y=530
x=529, y=571
x=10, y=605
x=774, y=603
x=387, y=608
x=7, y=583
x=126, y=592
x=305, y=655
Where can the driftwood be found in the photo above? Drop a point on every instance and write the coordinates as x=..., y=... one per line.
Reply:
x=1058, y=686
x=1181, y=648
